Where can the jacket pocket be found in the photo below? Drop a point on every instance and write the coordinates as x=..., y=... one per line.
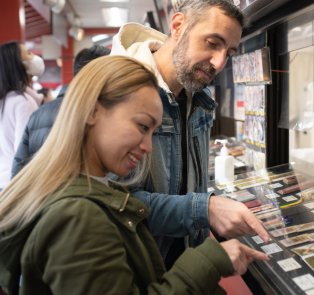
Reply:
x=166, y=126
x=201, y=124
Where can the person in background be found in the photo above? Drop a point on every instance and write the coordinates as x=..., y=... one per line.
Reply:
x=204, y=35
x=47, y=95
x=67, y=230
x=17, y=100
x=40, y=123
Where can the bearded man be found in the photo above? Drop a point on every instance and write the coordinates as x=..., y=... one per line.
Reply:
x=204, y=35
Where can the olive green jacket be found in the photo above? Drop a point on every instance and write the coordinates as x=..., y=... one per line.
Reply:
x=72, y=246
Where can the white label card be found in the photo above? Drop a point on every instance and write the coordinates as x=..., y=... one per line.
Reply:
x=289, y=198
x=230, y=190
x=239, y=164
x=257, y=240
x=289, y=264
x=310, y=205
x=275, y=185
x=272, y=196
x=305, y=282
x=271, y=248
x=210, y=189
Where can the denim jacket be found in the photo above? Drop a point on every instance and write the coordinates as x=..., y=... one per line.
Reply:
x=174, y=215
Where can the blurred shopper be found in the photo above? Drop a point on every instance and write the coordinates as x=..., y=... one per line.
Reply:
x=41, y=121
x=17, y=100
x=68, y=231
x=204, y=35
x=46, y=92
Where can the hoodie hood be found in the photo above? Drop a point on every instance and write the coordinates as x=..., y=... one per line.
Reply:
x=137, y=41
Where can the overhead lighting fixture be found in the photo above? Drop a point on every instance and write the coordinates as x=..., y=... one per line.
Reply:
x=76, y=32
x=114, y=0
x=114, y=16
x=55, y=5
x=100, y=37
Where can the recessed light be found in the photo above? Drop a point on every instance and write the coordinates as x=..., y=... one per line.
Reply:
x=114, y=0
x=114, y=16
x=100, y=37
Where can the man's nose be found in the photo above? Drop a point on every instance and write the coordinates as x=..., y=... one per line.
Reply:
x=219, y=60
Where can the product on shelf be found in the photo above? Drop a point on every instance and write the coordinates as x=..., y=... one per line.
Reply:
x=304, y=250
x=294, y=179
x=299, y=186
x=295, y=240
x=253, y=203
x=283, y=231
x=272, y=223
x=262, y=208
x=262, y=65
x=252, y=69
x=268, y=214
x=239, y=61
x=246, y=67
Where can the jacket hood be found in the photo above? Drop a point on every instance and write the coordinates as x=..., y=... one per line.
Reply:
x=132, y=33
x=137, y=41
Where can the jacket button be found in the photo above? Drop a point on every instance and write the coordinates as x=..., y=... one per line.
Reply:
x=141, y=211
x=130, y=223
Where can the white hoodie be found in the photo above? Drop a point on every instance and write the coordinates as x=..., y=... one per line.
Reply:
x=138, y=41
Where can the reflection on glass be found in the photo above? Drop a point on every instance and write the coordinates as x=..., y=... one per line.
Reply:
x=300, y=31
x=301, y=89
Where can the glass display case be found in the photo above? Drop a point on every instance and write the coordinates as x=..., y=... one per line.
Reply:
x=282, y=198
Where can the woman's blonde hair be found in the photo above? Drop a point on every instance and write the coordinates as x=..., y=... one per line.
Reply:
x=108, y=80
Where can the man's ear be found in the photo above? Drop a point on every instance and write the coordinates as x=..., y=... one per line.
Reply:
x=178, y=25
x=92, y=118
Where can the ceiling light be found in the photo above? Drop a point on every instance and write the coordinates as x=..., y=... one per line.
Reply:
x=55, y=5
x=114, y=16
x=114, y=0
x=100, y=37
x=76, y=32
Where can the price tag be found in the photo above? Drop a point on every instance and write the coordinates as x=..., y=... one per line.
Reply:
x=289, y=264
x=257, y=240
x=210, y=189
x=272, y=196
x=310, y=205
x=289, y=198
x=305, y=282
x=230, y=190
x=271, y=248
x=275, y=185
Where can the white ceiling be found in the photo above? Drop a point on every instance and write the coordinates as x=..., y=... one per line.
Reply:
x=90, y=14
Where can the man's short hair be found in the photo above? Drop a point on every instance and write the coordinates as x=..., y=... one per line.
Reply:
x=88, y=54
x=195, y=11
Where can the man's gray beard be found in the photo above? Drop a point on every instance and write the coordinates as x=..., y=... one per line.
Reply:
x=185, y=73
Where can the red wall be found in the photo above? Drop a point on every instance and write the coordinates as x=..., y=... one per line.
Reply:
x=12, y=21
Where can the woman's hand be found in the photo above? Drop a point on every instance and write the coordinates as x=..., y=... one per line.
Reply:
x=241, y=255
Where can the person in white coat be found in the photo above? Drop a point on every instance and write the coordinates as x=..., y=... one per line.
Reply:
x=17, y=100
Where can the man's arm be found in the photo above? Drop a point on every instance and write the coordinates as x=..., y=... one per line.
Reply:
x=175, y=215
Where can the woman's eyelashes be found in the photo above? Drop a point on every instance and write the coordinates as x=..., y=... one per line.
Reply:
x=144, y=127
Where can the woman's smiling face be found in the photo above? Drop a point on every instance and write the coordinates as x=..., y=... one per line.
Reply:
x=118, y=138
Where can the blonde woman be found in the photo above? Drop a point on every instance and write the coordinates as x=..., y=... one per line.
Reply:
x=66, y=230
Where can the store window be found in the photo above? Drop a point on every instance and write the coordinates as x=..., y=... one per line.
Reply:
x=297, y=113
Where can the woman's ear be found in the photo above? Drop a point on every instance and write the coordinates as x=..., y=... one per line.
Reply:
x=92, y=118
